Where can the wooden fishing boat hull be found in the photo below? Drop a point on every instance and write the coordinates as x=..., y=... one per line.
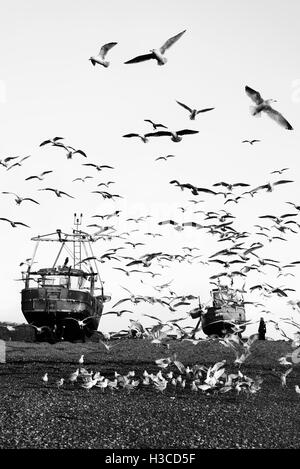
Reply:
x=219, y=321
x=55, y=307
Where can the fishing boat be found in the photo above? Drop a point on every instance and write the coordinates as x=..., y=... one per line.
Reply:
x=65, y=299
x=226, y=312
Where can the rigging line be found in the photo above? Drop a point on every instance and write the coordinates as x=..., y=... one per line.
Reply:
x=59, y=252
x=96, y=265
x=34, y=253
x=88, y=254
x=69, y=251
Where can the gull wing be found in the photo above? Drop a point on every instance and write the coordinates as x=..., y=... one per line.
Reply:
x=104, y=49
x=160, y=133
x=13, y=193
x=47, y=189
x=205, y=110
x=192, y=223
x=282, y=181
x=22, y=224
x=81, y=153
x=32, y=200
x=171, y=41
x=225, y=184
x=131, y=135
x=187, y=132
x=254, y=95
x=62, y=192
x=140, y=58
x=168, y=222
x=10, y=158
x=276, y=116
x=203, y=189
x=45, y=142
x=184, y=106
x=121, y=301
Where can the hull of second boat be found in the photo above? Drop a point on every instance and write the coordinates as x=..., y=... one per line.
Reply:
x=219, y=321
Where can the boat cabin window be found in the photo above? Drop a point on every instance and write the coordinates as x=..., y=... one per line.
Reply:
x=50, y=280
x=63, y=281
x=76, y=282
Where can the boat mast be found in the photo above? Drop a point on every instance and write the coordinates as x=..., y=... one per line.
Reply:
x=77, y=240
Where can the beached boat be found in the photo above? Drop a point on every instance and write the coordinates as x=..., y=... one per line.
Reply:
x=226, y=312
x=65, y=299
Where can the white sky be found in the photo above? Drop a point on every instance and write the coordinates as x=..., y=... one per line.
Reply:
x=49, y=88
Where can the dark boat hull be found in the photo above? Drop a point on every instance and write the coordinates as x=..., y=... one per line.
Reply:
x=54, y=306
x=219, y=321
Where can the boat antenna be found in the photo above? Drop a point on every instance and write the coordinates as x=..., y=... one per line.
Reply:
x=77, y=240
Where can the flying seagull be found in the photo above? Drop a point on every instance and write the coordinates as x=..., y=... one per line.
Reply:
x=194, y=112
x=270, y=186
x=250, y=141
x=71, y=151
x=40, y=176
x=56, y=191
x=175, y=136
x=98, y=168
x=100, y=58
x=83, y=179
x=52, y=140
x=155, y=126
x=157, y=54
x=264, y=105
x=279, y=171
x=19, y=199
x=18, y=163
x=164, y=157
x=6, y=160
x=14, y=223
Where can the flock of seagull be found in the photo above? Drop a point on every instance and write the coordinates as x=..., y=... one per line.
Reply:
x=235, y=261
x=174, y=376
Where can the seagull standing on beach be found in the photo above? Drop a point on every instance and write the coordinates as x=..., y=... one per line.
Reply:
x=60, y=382
x=157, y=54
x=45, y=379
x=73, y=376
x=283, y=377
x=81, y=360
